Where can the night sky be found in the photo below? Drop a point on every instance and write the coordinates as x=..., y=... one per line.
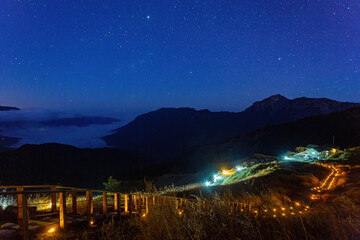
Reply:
x=142, y=55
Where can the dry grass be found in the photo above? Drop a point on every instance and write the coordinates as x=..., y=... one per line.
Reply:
x=216, y=219
x=339, y=219
x=274, y=214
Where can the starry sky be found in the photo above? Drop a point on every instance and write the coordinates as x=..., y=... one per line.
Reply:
x=141, y=55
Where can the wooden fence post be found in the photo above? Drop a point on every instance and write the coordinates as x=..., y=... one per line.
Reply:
x=135, y=203
x=126, y=199
x=104, y=204
x=62, y=209
x=88, y=205
x=117, y=203
x=116, y=200
x=176, y=203
x=91, y=203
x=73, y=202
x=53, y=199
x=22, y=213
x=130, y=203
x=147, y=204
x=153, y=200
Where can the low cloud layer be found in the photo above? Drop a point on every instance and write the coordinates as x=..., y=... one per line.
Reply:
x=26, y=125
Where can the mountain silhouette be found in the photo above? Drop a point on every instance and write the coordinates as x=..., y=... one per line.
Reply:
x=343, y=127
x=165, y=133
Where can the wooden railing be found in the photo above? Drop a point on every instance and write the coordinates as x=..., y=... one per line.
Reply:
x=22, y=193
x=131, y=203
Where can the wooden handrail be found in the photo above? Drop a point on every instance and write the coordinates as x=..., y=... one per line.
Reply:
x=131, y=202
x=57, y=187
x=27, y=186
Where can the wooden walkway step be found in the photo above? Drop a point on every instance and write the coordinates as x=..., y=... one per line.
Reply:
x=8, y=234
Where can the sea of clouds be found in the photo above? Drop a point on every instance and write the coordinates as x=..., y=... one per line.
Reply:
x=26, y=125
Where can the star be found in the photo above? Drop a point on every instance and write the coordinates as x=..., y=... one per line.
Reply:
x=147, y=17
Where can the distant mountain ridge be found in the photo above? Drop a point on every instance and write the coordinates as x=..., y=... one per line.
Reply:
x=167, y=132
x=7, y=108
x=276, y=140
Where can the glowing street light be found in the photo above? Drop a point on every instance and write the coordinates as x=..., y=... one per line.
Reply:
x=216, y=177
x=239, y=169
x=225, y=172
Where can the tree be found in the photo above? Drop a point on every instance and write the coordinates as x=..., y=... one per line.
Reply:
x=112, y=184
x=299, y=149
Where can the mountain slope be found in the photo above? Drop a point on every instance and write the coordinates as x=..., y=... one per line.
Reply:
x=276, y=140
x=167, y=132
x=56, y=163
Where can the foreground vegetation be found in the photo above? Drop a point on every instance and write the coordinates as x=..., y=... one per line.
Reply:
x=339, y=219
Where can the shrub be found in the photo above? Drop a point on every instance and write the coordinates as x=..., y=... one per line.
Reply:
x=112, y=184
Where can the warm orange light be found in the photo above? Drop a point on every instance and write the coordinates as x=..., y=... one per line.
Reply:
x=144, y=215
x=331, y=183
x=283, y=214
x=274, y=209
x=283, y=208
x=297, y=203
x=228, y=172
x=322, y=185
x=51, y=230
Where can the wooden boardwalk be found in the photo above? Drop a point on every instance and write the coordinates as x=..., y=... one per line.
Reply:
x=63, y=209
x=70, y=206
